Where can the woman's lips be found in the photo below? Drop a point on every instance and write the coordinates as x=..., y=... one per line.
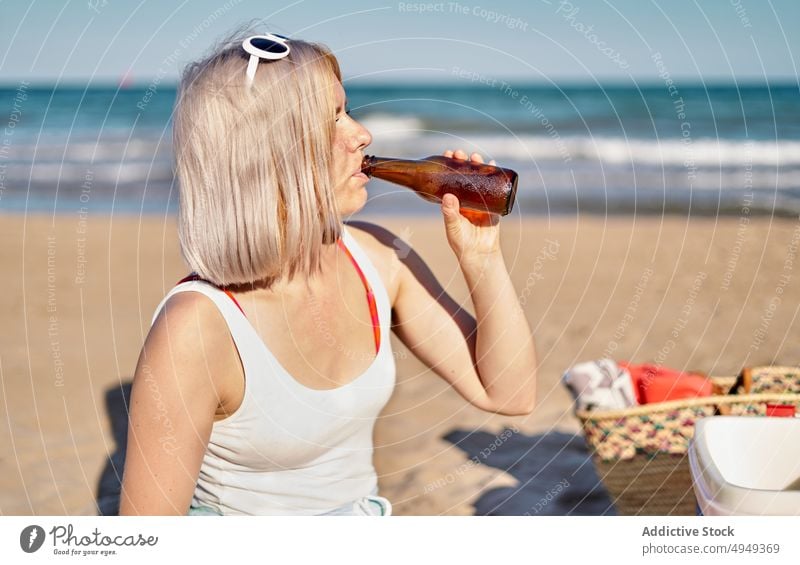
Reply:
x=360, y=175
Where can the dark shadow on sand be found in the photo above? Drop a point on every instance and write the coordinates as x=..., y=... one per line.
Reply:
x=108, y=490
x=554, y=471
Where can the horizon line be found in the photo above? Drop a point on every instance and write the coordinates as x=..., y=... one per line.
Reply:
x=407, y=83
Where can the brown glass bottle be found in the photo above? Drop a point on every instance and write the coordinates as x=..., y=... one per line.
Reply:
x=478, y=186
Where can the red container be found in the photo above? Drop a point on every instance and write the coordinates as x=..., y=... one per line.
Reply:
x=781, y=410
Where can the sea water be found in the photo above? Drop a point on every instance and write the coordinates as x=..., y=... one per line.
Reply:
x=703, y=149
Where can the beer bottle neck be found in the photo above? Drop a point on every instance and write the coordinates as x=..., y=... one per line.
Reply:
x=370, y=163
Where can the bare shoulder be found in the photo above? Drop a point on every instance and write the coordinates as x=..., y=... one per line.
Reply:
x=191, y=334
x=383, y=247
x=186, y=313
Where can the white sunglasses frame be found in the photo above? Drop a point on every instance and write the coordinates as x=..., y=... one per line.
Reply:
x=257, y=54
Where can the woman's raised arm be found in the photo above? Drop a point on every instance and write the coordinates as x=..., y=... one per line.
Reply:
x=490, y=359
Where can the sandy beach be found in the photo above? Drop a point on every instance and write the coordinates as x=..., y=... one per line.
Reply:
x=703, y=293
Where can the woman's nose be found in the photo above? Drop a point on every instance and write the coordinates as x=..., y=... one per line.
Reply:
x=361, y=137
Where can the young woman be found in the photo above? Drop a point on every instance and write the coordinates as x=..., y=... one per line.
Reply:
x=262, y=376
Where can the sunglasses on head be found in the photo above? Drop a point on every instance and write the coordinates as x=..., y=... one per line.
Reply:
x=270, y=46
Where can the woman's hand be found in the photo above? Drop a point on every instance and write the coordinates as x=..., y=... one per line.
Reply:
x=473, y=235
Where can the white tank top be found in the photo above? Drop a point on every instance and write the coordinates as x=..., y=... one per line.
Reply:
x=290, y=449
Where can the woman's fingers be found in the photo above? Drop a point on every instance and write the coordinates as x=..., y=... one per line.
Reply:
x=461, y=154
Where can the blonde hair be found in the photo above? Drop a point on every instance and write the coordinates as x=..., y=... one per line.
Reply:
x=254, y=164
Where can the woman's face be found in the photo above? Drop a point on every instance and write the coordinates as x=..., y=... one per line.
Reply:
x=349, y=142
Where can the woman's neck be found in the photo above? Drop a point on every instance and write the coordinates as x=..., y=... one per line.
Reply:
x=330, y=261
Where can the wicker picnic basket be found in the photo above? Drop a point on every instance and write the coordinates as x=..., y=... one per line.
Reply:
x=640, y=453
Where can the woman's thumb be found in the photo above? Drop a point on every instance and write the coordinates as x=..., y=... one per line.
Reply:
x=450, y=206
x=450, y=211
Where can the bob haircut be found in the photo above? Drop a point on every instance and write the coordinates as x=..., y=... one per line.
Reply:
x=254, y=164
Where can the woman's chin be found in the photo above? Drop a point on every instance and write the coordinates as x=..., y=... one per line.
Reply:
x=353, y=205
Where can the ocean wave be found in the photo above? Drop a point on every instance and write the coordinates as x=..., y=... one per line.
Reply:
x=393, y=126
x=90, y=150
x=572, y=164
x=407, y=136
x=108, y=174
x=668, y=152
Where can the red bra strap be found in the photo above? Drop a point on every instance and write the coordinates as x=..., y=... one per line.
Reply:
x=373, y=307
x=196, y=277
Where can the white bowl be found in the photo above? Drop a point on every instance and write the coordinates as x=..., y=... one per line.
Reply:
x=746, y=465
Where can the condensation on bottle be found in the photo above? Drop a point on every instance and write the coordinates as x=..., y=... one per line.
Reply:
x=478, y=186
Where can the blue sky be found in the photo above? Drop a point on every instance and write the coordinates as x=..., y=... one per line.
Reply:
x=538, y=40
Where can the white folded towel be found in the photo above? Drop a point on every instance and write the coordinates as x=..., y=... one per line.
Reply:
x=600, y=385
